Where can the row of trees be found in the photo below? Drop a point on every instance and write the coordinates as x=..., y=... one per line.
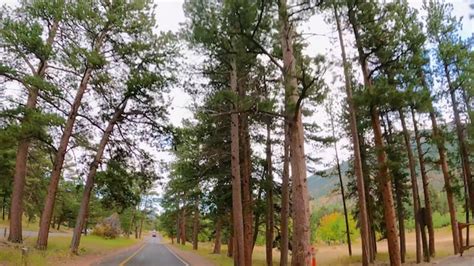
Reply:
x=400, y=76
x=83, y=84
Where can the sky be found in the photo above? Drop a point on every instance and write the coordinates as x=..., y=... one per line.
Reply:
x=323, y=41
x=170, y=15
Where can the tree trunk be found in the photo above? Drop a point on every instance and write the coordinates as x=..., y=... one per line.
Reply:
x=285, y=200
x=269, y=196
x=447, y=179
x=257, y=218
x=414, y=186
x=401, y=220
x=142, y=220
x=178, y=227
x=372, y=249
x=385, y=183
x=217, y=237
x=246, y=172
x=426, y=192
x=466, y=167
x=196, y=226
x=230, y=246
x=363, y=218
x=301, y=254
x=183, y=226
x=239, y=258
x=83, y=209
x=43, y=232
x=19, y=178
x=341, y=185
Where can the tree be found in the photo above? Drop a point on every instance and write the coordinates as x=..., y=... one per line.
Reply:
x=22, y=36
x=364, y=228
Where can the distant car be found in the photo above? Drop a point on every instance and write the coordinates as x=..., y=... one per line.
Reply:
x=153, y=234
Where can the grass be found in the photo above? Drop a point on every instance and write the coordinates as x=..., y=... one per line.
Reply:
x=332, y=254
x=58, y=250
x=205, y=250
x=33, y=226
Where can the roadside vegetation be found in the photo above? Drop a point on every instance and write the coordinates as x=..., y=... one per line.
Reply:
x=89, y=134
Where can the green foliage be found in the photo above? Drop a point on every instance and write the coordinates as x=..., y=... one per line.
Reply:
x=332, y=228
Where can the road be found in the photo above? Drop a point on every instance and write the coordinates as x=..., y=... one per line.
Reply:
x=152, y=253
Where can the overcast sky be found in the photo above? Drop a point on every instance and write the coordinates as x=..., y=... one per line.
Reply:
x=170, y=15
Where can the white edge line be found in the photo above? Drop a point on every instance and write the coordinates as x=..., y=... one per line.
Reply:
x=176, y=255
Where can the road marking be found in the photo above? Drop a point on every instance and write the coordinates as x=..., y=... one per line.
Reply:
x=133, y=255
x=178, y=257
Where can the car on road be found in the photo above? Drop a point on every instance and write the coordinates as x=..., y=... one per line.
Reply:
x=153, y=233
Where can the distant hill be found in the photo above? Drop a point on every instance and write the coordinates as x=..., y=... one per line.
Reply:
x=324, y=189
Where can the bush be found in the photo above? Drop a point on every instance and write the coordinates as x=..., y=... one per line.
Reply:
x=109, y=227
x=332, y=228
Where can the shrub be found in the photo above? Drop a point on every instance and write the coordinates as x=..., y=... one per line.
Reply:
x=332, y=228
x=108, y=228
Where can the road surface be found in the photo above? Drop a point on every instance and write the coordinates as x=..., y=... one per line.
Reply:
x=152, y=253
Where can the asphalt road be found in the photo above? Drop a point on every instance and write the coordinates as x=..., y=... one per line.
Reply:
x=151, y=253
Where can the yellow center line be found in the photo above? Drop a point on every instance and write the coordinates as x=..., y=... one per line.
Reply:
x=131, y=256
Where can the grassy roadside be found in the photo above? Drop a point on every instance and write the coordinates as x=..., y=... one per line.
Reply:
x=58, y=250
x=33, y=226
x=331, y=254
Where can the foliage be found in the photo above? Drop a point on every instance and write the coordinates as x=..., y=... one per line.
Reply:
x=332, y=228
x=109, y=227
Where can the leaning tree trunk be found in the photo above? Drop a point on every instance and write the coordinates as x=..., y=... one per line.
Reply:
x=341, y=186
x=363, y=218
x=301, y=254
x=19, y=177
x=285, y=206
x=447, y=178
x=83, y=209
x=463, y=150
x=47, y=213
x=415, y=192
x=217, y=237
x=426, y=191
x=384, y=180
x=239, y=258
x=269, y=184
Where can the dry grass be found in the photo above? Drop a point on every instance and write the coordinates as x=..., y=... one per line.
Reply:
x=336, y=254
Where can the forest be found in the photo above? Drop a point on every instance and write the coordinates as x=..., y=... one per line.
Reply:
x=285, y=154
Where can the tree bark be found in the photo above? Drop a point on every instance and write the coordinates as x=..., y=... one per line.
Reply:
x=269, y=214
x=19, y=178
x=83, y=209
x=363, y=217
x=246, y=172
x=178, y=227
x=285, y=200
x=447, y=179
x=426, y=191
x=183, y=226
x=301, y=254
x=414, y=186
x=217, y=237
x=384, y=180
x=399, y=191
x=196, y=226
x=43, y=232
x=341, y=186
x=239, y=258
